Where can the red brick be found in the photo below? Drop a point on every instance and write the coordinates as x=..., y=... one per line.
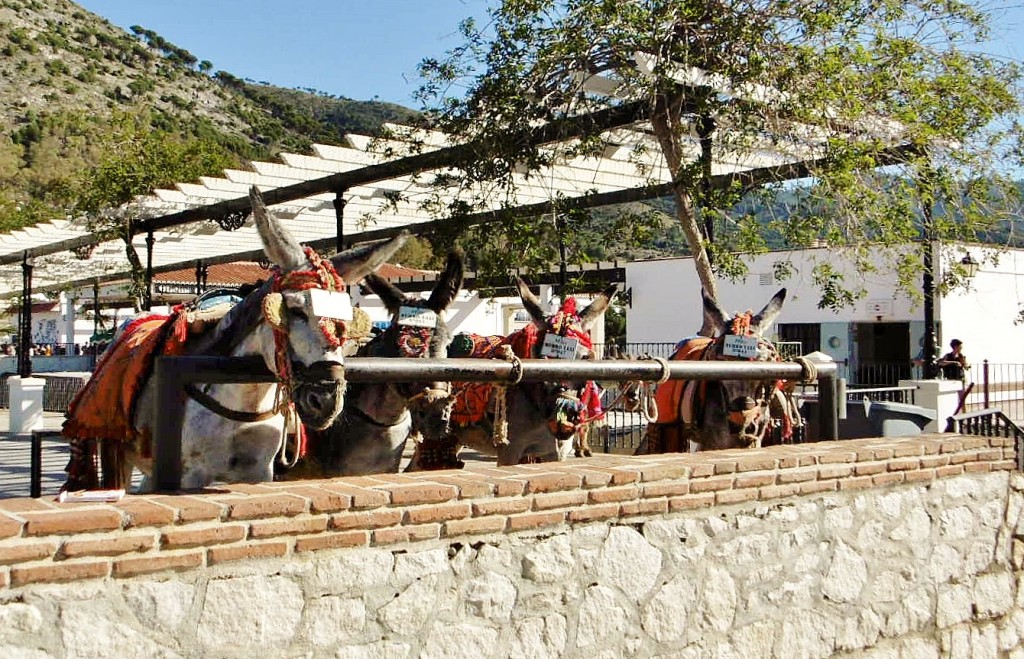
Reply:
x=644, y=507
x=887, y=479
x=1005, y=465
x=201, y=537
x=665, y=489
x=509, y=487
x=870, y=468
x=950, y=470
x=977, y=467
x=835, y=471
x=857, y=483
x=333, y=541
x=5, y=577
x=735, y=496
x=963, y=458
x=275, y=527
x=9, y=527
x=19, y=506
x=712, y=484
x=591, y=513
x=144, y=512
x=474, y=526
x=623, y=475
x=321, y=500
x=278, y=505
x=130, y=567
x=974, y=443
x=908, y=449
x=814, y=487
x=990, y=455
x=192, y=509
x=361, y=497
x=411, y=495
x=59, y=572
x=692, y=501
x=370, y=519
x=534, y=520
x=216, y=555
x=797, y=475
x=935, y=461
x=69, y=521
x=951, y=447
x=438, y=513
x=756, y=464
x=701, y=470
x=610, y=494
x=591, y=477
x=904, y=464
x=109, y=546
x=469, y=488
x=754, y=480
x=919, y=475
x=559, y=500
x=23, y=553
x=837, y=457
x=556, y=482
x=406, y=534
x=500, y=507
x=777, y=491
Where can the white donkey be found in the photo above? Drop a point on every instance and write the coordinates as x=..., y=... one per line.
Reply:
x=232, y=432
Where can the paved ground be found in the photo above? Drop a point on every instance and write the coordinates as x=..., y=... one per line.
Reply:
x=15, y=458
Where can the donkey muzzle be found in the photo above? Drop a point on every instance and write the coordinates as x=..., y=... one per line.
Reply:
x=319, y=394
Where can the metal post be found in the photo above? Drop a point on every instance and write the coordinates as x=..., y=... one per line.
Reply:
x=36, y=468
x=563, y=270
x=201, y=273
x=828, y=421
x=930, y=370
x=150, y=241
x=984, y=383
x=25, y=319
x=339, y=219
x=169, y=400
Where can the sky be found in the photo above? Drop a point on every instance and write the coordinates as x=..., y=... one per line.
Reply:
x=360, y=49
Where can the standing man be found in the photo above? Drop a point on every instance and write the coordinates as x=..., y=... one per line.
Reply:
x=954, y=363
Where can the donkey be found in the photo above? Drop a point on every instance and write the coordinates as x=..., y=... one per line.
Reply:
x=370, y=434
x=709, y=415
x=540, y=417
x=232, y=432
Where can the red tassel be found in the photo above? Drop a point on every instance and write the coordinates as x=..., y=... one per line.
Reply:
x=569, y=306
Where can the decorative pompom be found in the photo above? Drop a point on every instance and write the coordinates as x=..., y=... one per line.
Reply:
x=360, y=325
x=273, y=310
x=461, y=346
x=569, y=306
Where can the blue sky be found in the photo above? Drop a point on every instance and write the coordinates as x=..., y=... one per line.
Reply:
x=360, y=49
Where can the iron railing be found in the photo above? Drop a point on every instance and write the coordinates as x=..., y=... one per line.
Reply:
x=989, y=422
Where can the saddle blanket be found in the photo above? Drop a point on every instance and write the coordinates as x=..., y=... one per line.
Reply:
x=105, y=407
x=672, y=396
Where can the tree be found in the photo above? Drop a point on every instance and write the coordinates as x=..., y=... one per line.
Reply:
x=135, y=160
x=875, y=97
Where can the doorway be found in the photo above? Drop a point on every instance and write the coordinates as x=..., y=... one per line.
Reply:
x=882, y=353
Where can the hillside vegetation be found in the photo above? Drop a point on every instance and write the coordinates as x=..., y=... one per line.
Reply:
x=75, y=88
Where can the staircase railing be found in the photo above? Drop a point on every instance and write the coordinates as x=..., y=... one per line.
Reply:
x=989, y=422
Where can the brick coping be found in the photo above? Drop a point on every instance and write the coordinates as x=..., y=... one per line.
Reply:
x=42, y=541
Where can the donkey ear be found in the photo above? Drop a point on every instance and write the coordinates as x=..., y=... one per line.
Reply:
x=597, y=307
x=448, y=284
x=714, y=317
x=765, y=317
x=531, y=303
x=281, y=248
x=389, y=294
x=354, y=264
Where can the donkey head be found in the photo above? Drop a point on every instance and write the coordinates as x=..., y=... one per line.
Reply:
x=739, y=416
x=561, y=399
x=418, y=329
x=305, y=308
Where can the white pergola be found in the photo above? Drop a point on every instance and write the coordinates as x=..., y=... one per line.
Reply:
x=369, y=188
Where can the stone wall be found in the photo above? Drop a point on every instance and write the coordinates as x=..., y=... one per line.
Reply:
x=883, y=547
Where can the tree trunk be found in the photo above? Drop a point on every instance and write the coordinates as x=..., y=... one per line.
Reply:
x=668, y=127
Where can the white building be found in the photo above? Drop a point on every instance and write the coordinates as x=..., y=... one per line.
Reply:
x=883, y=328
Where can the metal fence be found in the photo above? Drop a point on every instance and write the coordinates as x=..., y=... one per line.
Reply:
x=58, y=390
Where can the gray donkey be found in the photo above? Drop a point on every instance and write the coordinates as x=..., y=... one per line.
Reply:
x=378, y=419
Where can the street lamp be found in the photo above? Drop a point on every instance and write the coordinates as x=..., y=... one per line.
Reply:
x=969, y=265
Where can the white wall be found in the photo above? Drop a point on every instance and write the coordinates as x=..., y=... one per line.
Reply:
x=666, y=300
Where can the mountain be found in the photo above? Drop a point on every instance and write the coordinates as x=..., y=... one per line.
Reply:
x=69, y=74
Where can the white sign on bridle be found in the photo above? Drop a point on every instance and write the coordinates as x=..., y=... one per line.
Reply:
x=417, y=317
x=744, y=347
x=559, y=347
x=330, y=304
